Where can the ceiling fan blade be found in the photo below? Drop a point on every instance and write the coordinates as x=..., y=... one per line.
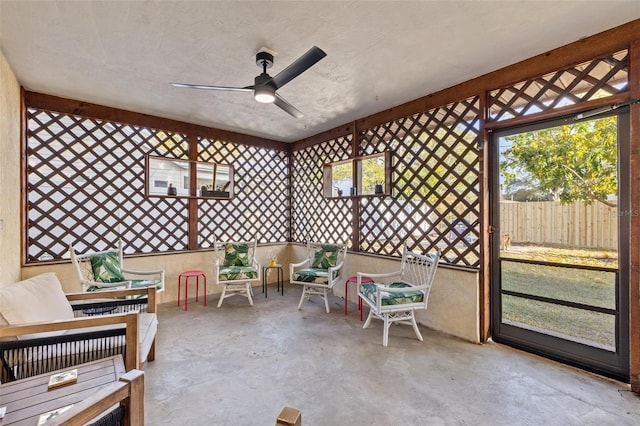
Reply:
x=300, y=65
x=199, y=86
x=287, y=107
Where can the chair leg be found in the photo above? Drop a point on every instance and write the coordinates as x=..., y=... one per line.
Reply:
x=224, y=290
x=326, y=299
x=304, y=289
x=249, y=294
x=368, y=321
x=385, y=333
x=415, y=327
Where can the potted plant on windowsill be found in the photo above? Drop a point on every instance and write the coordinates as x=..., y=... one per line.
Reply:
x=207, y=191
x=222, y=190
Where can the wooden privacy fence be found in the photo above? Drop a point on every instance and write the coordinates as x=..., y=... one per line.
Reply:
x=550, y=222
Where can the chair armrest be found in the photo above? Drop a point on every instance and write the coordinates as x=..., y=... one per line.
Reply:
x=150, y=292
x=337, y=267
x=128, y=390
x=133, y=271
x=292, y=266
x=381, y=275
x=332, y=273
x=295, y=265
x=84, y=322
x=87, y=284
x=107, y=294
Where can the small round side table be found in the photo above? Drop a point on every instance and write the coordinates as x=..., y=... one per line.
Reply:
x=354, y=279
x=189, y=274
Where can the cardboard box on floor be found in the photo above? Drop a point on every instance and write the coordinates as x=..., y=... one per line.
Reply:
x=289, y=417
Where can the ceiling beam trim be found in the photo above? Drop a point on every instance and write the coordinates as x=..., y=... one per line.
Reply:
x=90, y=110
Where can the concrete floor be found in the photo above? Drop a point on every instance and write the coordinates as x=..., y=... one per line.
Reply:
x=240, y=365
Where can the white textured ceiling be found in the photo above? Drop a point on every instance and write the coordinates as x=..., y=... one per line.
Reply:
x=380, y=54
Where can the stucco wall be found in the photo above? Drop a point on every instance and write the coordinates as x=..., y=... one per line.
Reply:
x=9, y=174
x=453, y=304
x=172, y=264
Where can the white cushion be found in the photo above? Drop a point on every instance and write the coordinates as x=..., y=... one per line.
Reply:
x=37, y=299
x=148, y=326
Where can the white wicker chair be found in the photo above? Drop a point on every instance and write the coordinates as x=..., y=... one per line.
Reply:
x=104, y=270
x=320, y=271
x=403, y=292
x=236, y=268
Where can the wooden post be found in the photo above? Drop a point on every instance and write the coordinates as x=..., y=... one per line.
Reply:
x=134, y=405
x=484, y=291
x=132, y=358
x=634, y=244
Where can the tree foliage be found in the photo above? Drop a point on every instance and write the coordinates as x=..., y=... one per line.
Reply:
x=524, y=187
x=575, y=162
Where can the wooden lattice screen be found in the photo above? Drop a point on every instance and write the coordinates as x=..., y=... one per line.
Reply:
x=314, y=217
x=260, y=207
x=435, y=185
x=590, y=80
x=85, y=186
x=85, y=178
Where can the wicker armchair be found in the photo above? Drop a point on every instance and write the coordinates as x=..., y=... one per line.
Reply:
x=105, y=270
x=320, y=271
x=402, y=293
x=236, y=268
x=45, y=330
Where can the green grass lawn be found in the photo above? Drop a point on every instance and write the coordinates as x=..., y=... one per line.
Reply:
x=588, y=287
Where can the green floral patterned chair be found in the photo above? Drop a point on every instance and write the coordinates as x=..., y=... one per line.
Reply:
x=104, y=270
x=236, y=268
x=402, y=293
x=320, y=271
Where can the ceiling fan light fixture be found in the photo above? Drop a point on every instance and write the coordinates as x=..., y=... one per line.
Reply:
x=265, y=94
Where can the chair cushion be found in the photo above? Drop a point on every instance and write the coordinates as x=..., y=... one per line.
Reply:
x=232, y=273
x=37, y=299
x=325, y=256
x=369, y=290
x=146, y=283
x=312, y=275
x=148, y=327
x=236, y=254
x=106, y=267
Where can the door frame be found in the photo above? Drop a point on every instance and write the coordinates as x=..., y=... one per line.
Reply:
x=615, y=365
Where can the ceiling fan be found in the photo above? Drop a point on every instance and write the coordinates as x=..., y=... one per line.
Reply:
x=265, y=86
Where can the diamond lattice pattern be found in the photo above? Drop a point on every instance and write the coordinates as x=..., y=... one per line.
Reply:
x=85, y=184
x=435, y=182
x=314, y=217
x=260, y=206
x=594, y=79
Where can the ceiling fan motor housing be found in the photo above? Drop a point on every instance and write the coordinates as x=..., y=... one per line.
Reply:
x=264, y=60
